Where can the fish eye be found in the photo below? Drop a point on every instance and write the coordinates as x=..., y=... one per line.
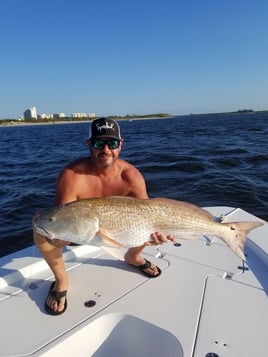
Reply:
x=51, y=219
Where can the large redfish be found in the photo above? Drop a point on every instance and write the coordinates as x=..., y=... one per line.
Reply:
x=129, y=222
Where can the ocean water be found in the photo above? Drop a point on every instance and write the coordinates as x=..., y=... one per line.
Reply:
x=213, y=160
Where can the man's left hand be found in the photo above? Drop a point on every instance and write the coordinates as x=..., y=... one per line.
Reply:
x=158, y=238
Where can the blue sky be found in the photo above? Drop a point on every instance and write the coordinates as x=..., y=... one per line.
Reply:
x=118, y=57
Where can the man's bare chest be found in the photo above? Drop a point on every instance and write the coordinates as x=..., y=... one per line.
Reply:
x=100, y=187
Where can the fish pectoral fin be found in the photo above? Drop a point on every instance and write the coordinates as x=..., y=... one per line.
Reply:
x=108, y=240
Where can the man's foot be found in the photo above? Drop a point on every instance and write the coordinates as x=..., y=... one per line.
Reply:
x=148, y=269
x=133, y=257
x=56, y=301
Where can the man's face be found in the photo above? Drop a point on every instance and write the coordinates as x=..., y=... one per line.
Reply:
x=104, y=151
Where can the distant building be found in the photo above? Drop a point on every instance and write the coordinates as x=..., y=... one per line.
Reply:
x=30, y=113
x=78, y=115
x=83, y=115
x=42, y=116
x=59, y=115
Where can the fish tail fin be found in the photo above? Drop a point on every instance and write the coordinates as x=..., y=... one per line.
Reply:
x=237, y=235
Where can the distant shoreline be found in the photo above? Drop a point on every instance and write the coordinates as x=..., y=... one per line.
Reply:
x=22, y=123
x=14, y=122
x=56, y=122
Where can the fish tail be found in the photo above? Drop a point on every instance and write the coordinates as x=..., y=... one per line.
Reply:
x=236, y=235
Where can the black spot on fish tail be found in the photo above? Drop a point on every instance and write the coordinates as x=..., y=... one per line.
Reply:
x=238, y=235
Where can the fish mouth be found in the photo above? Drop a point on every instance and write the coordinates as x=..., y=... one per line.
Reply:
x=42, y=231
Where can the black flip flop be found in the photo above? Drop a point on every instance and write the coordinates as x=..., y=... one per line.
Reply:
x=145, y=266
x=57, y=295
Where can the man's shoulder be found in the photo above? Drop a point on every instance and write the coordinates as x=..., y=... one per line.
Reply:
x=78, y=166
x=125, y=166
x=129, y=171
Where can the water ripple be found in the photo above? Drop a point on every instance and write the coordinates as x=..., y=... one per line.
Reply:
x=215, y=160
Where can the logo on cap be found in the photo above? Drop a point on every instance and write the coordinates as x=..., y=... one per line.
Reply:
x=105, y=126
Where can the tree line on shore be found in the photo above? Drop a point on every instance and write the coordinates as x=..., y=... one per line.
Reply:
x=71, y=119
x=125, y=117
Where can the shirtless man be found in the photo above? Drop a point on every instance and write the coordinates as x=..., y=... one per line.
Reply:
x=102, y=174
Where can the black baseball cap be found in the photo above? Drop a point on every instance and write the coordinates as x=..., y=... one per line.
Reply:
x=105, y=128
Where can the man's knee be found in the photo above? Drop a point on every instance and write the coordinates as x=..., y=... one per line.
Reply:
x=38, y=238
x=58, y=243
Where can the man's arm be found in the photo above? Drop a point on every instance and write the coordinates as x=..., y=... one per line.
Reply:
x=65, y=188
x=136, y=183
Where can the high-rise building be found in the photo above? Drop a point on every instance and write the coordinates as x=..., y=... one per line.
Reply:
x=30, y=113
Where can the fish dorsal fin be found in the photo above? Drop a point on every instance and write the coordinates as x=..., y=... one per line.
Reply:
x=108, y=240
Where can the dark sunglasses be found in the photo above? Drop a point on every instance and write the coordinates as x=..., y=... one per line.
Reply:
x=100, y=144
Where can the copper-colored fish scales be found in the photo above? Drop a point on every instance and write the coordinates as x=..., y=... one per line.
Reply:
x=129, y=222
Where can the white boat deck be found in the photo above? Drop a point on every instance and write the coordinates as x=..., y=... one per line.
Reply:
x=205, y=301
